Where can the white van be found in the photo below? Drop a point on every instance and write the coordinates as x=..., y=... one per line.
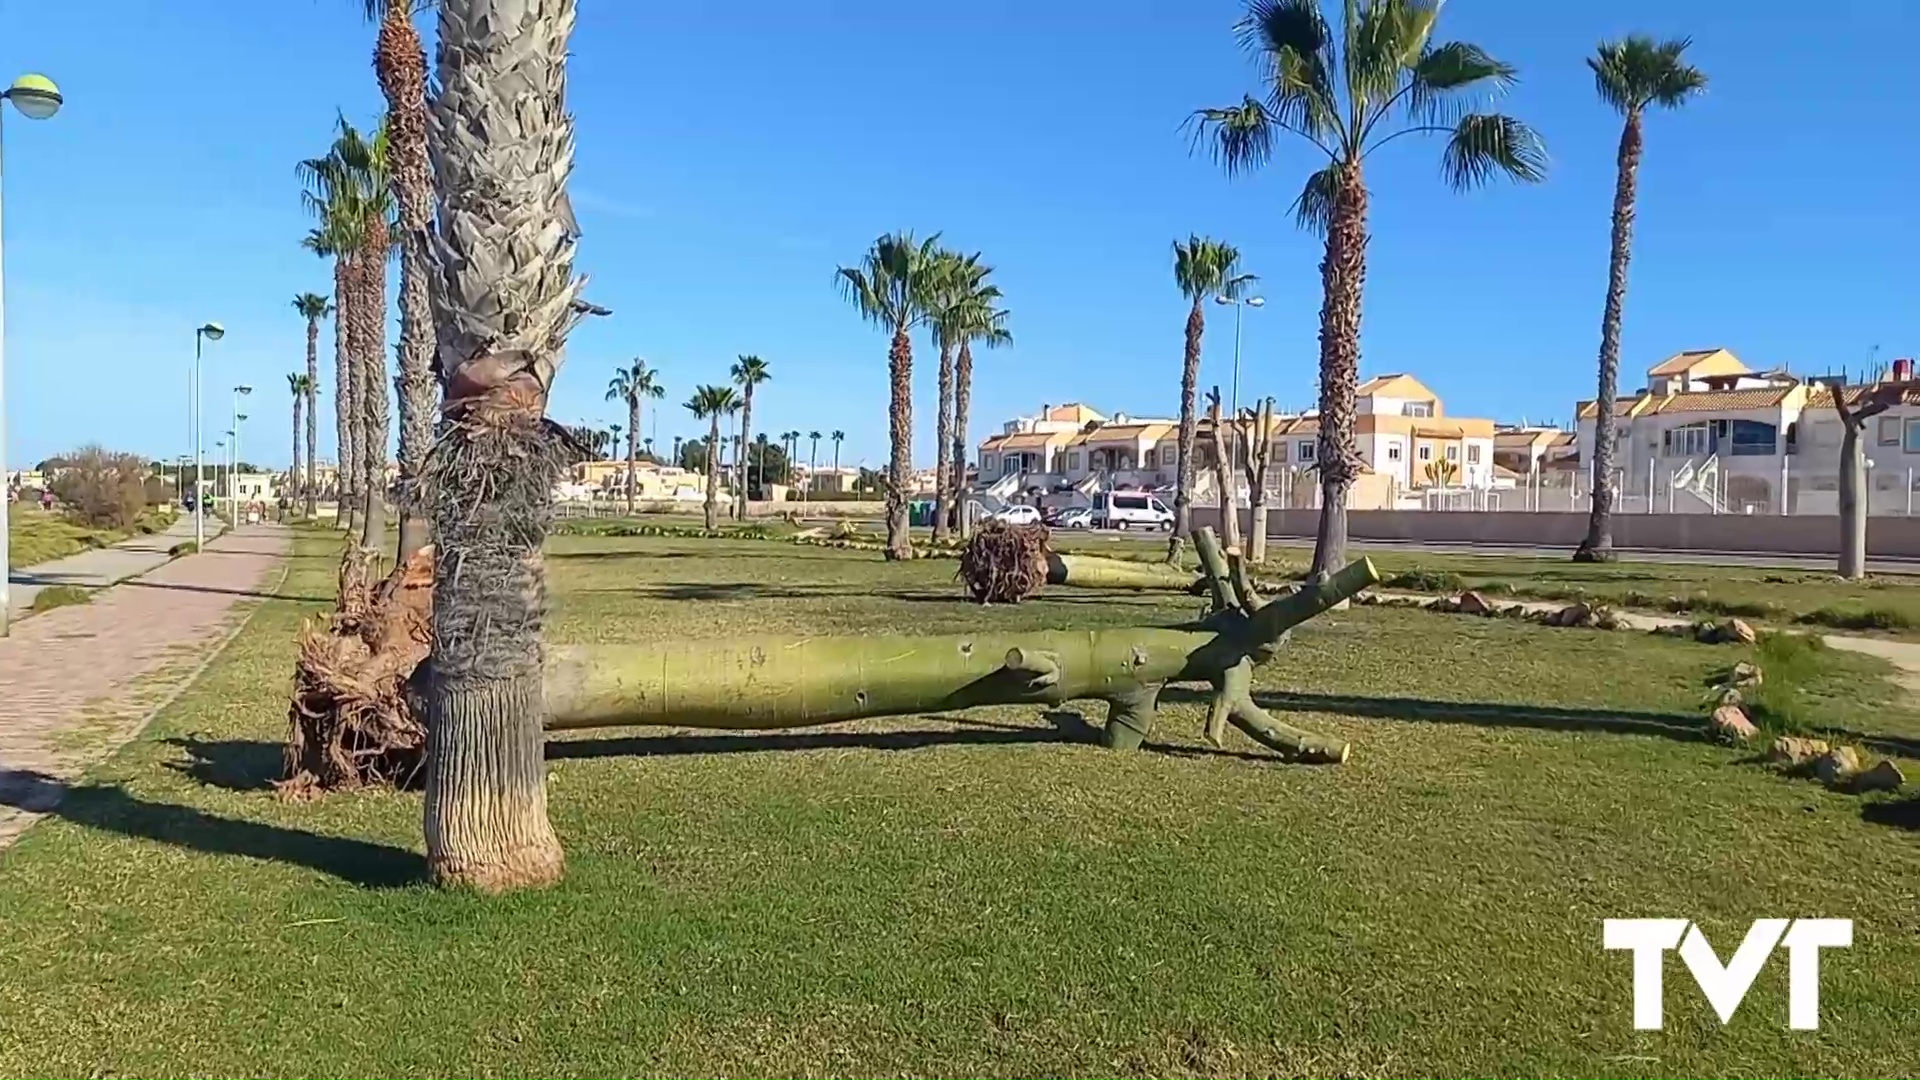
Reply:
x=1131, y=510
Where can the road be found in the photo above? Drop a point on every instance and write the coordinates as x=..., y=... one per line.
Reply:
x=100, y=567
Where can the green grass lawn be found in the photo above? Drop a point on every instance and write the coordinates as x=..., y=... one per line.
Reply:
x=984, y=893
x=1887, y=602
x=35, y=536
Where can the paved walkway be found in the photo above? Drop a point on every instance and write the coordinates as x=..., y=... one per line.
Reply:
x=76, y=682
x=101, y=567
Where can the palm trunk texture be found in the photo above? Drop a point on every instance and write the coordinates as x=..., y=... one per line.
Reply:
x=401, y=64
x=1343, y=275
x=633, y=449
x=900, y=440
x=1853, y=515
x=373, y=389
x=346, y=398
x=1189, y=431
x=746, y=440
x=962, y=403
x=1598, y=545
x=713, y=474
x=299, y=478
x=943, y=443
x=503, y=293
x=312, y=490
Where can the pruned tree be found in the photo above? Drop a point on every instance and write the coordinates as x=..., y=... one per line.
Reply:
x=1855, y=407
x=1441, y=472
x=1223, y=477
x=1349, y=91
x=1257, y=436
x=1631, y=75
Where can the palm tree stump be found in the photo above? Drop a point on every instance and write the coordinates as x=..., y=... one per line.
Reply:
x=358, y=711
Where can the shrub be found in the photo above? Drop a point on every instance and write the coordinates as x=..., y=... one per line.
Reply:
x=184, y=547
x=1440, y=581
x=103, y=489
x=1788, y=663
x=57, y=596
x=1858, y=617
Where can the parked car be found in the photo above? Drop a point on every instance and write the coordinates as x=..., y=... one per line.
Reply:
x=1019, y=515
x=1079, y=517
x=1132, y=510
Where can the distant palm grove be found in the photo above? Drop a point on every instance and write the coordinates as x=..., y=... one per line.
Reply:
x=1340, y=82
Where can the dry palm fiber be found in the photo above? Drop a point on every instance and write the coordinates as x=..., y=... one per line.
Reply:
x=353, y=721
x=1005, y=563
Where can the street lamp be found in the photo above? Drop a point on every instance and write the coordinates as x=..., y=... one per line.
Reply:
x=233, y=491
x=1239, y=305
x=212, y=331
x=37, y=99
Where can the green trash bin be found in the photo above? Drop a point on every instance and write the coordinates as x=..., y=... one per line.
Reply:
x=920, y=513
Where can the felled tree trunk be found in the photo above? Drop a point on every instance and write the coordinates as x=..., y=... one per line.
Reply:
x=784, y=682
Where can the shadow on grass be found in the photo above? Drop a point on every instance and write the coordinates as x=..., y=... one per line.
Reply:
x=1678, y=726
x=111, y=809
x=1067, y=727
x=1894, y=813
x=233, y=764
x=257, y=593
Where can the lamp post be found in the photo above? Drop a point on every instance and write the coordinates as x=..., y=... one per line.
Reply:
x=37, y=99
x=212, y=331
x=233, y=490
x=1239, y=305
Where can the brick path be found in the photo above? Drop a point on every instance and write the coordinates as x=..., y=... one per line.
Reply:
x=76, y=682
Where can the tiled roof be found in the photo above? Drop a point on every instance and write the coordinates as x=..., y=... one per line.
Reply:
x=1621, y=407
x=1452, y=429
x=1072, y=412
x=1122, y=433
x=1682, y=363
x=1765, y=397
x=1395, y=384
x=1029, y=440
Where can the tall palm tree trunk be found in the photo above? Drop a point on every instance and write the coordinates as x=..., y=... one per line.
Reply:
x=346, y=397
x=503, y=296
x=746, y=440
x=900, y=437
x=1343, y=275
x=633, y=448
x=943, y=443
x=401, y=64
x=962, y=402
x=1598, y=545
x=374, y=401
x=312, y=488
x=298, y=478
x=1189, y=432
x=713, y=474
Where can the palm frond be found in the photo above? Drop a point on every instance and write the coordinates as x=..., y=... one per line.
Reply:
x=1289, y=40
x=1383, y=45
x=1239, y=138
x=1636, y=71
x=1487, y=145
x=1312, y=209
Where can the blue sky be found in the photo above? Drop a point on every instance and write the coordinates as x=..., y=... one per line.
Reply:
x=730, y=155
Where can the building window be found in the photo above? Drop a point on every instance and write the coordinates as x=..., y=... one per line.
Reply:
x=1306, y=452
x=1889, y=431
x=1453, y=451
x=1280, y=453
x=1690, y=441
x=1393, y=452
x=1073, y=460
x=1425, y=453
x=1912, y=445
x=1417, y=408
x=1153, y=456
x=1473, y=453
x=988, y=463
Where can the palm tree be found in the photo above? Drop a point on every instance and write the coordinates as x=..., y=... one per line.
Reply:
x=838, y=437
x=1349, y=93
x=892, y=288
x=963, y=312
x=1203, y=268
x=312, y=307
x=504, y=297
x=335, y=239
x=632, y=385
x=1630, y=75
x=613, y=444
x=648, y=443
x=302, y=390
x=748, y=372
x=400, y=63
x=354, y=181
x=988, y=326
x=813, y=459
x=710, y=403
